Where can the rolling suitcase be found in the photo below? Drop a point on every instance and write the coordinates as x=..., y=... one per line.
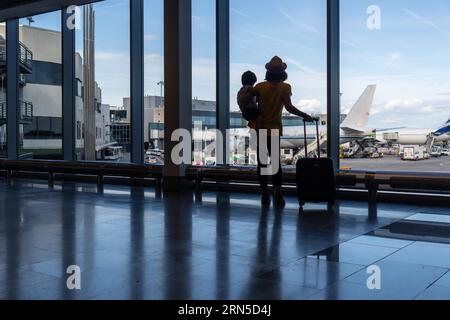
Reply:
x=315, y=176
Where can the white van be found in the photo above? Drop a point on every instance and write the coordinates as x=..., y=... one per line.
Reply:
x=413, y=153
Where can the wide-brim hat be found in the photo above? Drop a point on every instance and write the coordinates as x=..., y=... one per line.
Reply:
x=276, y=65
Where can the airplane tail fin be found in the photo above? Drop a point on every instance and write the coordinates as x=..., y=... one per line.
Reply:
x=358, y=117
x=444, y=129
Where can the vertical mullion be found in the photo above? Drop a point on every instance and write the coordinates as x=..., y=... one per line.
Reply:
x=137, y=80
x=69, y=84
x=12, y=89
x=223, y=75
x=333, y=81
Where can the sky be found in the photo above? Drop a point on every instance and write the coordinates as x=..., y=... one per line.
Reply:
x=406, y=58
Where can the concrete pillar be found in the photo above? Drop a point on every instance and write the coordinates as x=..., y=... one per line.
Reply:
x=178, y=84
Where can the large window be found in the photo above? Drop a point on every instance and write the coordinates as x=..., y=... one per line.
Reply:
x=295, y=30
x=103, y=72
x=40, y=87
x=395, y=52
x=3, y=110
x=154, y=81
x=204, y=81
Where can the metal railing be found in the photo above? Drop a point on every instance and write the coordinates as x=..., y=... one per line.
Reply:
x=25, y=55
x=3, y=112
x=3, y=53
x=26, y=112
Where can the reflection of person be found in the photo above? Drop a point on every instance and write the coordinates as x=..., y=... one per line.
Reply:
x=272, y=95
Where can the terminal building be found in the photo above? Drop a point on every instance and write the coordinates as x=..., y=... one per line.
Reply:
x=124, y=158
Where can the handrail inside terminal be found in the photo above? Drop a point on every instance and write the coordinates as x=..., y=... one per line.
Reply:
x=371, y=181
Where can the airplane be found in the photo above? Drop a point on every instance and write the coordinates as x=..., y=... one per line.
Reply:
x=354, y=127
x=414, y=136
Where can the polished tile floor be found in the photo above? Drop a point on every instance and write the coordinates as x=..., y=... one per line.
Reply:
x=133, y=243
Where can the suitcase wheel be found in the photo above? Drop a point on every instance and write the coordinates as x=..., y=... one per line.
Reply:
x=302, y=204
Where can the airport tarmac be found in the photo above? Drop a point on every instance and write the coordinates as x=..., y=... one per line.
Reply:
x=388, y=163
x=393, y=163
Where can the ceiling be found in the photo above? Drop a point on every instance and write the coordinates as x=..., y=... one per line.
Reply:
x=6, y=4
x=11, y=9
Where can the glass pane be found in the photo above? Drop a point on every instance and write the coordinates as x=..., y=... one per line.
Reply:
x=40, y=86
x=154, y=82
x=204, y=80
x=294, y=30
x=395, y=52
x=103, y=76
x=3, y=146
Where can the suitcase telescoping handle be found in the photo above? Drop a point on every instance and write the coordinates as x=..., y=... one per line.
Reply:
x=316, y=120
x=318, y=136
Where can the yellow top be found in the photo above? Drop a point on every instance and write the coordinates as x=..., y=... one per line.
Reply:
x=271, y=102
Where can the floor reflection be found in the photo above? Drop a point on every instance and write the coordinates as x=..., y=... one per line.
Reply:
x=132, y=243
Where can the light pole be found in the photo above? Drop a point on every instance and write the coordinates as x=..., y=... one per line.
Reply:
x=30, y=21
x=161, y=84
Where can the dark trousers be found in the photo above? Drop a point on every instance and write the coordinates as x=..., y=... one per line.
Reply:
x=277, y=179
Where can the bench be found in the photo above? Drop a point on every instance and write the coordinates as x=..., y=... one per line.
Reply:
x=249, y=175
x=98, y=169
x=420, y=183
x=344, y=179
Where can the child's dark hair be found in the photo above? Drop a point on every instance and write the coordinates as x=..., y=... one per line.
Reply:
x=249, y=78
x=274, y=77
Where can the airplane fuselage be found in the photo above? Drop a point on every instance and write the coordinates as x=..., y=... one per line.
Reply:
x=293, y=137
x=408, y=136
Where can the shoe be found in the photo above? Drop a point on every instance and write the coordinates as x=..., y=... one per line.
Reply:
x=265, y=200
x=278, y=197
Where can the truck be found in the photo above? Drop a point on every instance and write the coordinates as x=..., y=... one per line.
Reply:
x=413, y=153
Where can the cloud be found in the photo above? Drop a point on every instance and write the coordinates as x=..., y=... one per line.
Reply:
x=397, y=106
x=427, y=114
x=425, y=21
x=310, y=106
x=350, y=44
x=300, y=25
x=411, y=104
x=302, y=67
x=150, y=37
x=103, y=56
x=268, y=37
x=112, y=72
x=242, y=14
x=394, y=56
